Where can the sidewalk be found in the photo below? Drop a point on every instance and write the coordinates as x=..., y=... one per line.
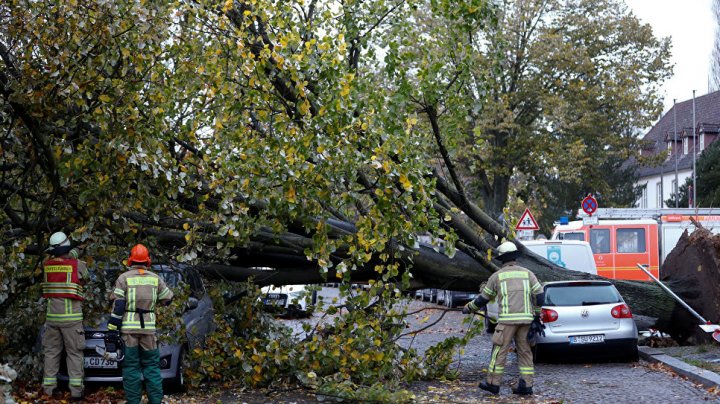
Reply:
x=700, y=364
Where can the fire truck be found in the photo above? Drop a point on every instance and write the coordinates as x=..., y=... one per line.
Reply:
x=621, y=238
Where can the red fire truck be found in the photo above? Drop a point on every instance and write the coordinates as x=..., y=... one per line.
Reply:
x=621, y=238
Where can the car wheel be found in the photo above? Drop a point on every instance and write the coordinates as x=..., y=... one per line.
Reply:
x=177, y=383
x=634, y=355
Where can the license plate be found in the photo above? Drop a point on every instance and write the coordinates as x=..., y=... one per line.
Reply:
x=275, y=299
x=587, y=339
x=97, y=362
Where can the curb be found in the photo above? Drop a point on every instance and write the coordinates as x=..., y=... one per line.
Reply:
x=696, y=374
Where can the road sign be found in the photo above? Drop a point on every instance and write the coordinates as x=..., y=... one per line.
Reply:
x=527, y=222
x=589, y=205
x=525, y=234
x=591, y=221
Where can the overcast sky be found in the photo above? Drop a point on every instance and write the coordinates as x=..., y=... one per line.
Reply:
x=691, y=25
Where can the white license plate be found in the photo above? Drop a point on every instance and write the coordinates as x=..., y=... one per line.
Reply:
x=275, y=299
x=587, y=339
x=97, y=362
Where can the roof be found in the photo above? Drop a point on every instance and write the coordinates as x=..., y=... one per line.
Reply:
x=679, y=119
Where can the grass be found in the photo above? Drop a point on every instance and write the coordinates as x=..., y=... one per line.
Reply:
x=713, y=367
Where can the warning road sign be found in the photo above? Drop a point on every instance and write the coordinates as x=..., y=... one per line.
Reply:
x=527, y=222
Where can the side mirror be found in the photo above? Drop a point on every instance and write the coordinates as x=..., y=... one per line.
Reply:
x=192, y=303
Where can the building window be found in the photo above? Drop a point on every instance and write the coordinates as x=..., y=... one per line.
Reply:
x=673, y=189
x=702, y=141
x=685, y=145
x=658, y=195
x=643, y=197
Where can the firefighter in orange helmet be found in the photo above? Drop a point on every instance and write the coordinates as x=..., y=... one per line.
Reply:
x=137, y=292
x=64, y=276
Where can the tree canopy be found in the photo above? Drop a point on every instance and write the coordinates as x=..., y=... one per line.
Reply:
x=313, y=137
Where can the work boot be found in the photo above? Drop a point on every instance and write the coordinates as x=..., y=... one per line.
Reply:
x=489, y=387
x=522, y=389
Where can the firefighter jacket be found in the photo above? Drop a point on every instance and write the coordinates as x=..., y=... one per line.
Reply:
x=62, y=286
x=514, y=288
x=141, y=290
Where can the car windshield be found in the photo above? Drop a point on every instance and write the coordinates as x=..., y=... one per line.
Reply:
x=580, y=295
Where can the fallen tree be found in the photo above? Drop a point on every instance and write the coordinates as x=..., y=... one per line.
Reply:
x=267, y=140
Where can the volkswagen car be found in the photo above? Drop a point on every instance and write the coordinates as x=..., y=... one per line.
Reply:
x=586, y=319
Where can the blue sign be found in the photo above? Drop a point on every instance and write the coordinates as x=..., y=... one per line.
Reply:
x=554, y=255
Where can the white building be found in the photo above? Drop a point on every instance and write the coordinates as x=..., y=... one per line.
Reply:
x=674, y=133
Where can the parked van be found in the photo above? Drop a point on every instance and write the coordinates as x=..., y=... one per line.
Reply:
x=571, y=254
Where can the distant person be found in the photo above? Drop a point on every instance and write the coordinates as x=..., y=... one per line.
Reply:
x=512, y=287
x=137, y=292
x=64, y=276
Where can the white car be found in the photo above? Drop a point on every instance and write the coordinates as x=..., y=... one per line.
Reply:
x=297, y=300
x=586, y=319
x=569, y=254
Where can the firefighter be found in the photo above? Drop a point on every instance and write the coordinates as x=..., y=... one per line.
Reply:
x=513, y=288
x=136, y=294
x=64, y=277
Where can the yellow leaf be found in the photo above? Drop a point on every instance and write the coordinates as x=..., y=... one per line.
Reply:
x=379, y=356
x=405, y=182
x=186, y=226
x=448, y=217
x=290, y=194
x=104, y=98
x=187, y=236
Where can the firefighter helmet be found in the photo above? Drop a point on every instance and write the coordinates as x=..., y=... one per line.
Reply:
x=59, y=239
x=507, y=247
x=508, y=251
x=59, y=244
x=139, y=255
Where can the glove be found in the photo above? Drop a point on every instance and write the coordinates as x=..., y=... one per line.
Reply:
x=466, y=309
x=537, y=327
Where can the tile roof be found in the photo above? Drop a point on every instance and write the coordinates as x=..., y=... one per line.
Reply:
x=707, y=116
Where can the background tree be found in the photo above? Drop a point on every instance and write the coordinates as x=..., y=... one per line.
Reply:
x=552, y=94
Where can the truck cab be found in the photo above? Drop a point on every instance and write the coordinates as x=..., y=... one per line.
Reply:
x=618, y=245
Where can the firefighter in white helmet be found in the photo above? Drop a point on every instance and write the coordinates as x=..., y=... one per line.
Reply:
x=513, y=287
x=63, y=279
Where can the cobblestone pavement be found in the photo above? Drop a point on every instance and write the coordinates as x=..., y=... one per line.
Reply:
x=590, y=382
x=554, y=383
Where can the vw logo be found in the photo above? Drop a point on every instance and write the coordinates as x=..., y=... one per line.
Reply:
x=584, y=313
x=98, y=335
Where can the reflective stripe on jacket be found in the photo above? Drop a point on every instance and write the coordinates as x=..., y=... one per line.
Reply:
x=513, y=287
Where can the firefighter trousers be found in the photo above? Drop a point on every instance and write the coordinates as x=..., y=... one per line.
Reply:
x=70, y=338
x=504, y=335
x=139, y=360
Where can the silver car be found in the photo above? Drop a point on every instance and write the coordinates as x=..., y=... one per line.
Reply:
x=586, y=319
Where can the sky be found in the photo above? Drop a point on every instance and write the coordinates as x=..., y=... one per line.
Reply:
x=691, y=26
